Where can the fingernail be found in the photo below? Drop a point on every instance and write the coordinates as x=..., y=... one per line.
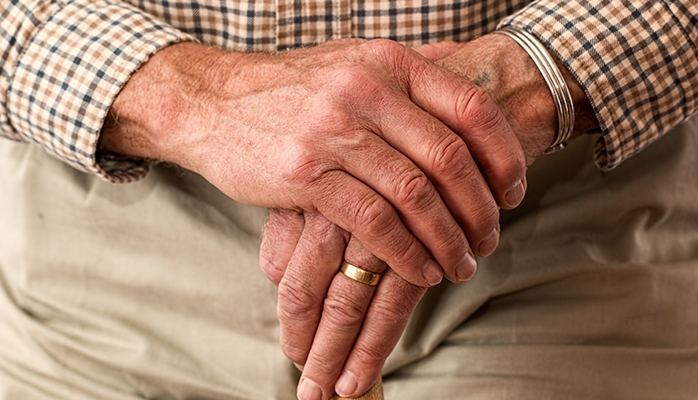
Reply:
x=489, y=243
x=433, y=273
x=309, y=390
x=346, y=385
x=467, y=268
x=515, y=195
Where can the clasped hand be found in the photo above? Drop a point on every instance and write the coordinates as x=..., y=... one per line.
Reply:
x=367, y=143
x=339, y=330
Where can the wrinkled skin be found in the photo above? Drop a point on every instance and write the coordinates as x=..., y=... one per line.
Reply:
x=340, y=329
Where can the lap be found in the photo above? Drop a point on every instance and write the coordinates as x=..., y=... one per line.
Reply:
x=153, y=290
x=150, y=289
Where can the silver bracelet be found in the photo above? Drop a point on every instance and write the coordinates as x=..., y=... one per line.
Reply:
x=553, y=77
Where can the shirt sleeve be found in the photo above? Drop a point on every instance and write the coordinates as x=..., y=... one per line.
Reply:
x=62, y=65
x=637, y=60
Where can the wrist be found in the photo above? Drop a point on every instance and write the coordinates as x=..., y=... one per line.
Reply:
x=154, y=114
x=502, y=67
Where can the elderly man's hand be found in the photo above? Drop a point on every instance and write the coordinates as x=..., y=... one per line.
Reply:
x=331, y=324
x=352, y=333
x=369, y=134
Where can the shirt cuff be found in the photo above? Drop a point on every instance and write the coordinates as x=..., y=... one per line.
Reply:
x=70, y=72
x=636, y=61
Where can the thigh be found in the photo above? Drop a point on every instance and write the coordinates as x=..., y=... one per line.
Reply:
x=150, y=289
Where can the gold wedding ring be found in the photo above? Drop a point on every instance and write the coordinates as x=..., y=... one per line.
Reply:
x=359, y=275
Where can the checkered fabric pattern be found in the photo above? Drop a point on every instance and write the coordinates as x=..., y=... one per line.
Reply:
x=637, y=61
x=64, y=61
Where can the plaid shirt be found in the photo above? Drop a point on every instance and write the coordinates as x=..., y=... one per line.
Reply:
x=64, y=61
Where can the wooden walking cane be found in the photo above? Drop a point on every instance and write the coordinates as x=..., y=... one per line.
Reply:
x=374, y=393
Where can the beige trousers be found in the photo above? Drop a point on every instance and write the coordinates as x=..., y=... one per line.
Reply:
x=152, y=289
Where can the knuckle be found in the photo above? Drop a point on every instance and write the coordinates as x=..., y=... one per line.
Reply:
x=296, y=301
x=375, y=216
x=318, y=228
x=394, y=56
x=355, y=81
x=385, y=47
x=343, y=310
x=477, y=109
x=350, y=80
x=451, y=155
x=305, y=164
x=415, y=189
